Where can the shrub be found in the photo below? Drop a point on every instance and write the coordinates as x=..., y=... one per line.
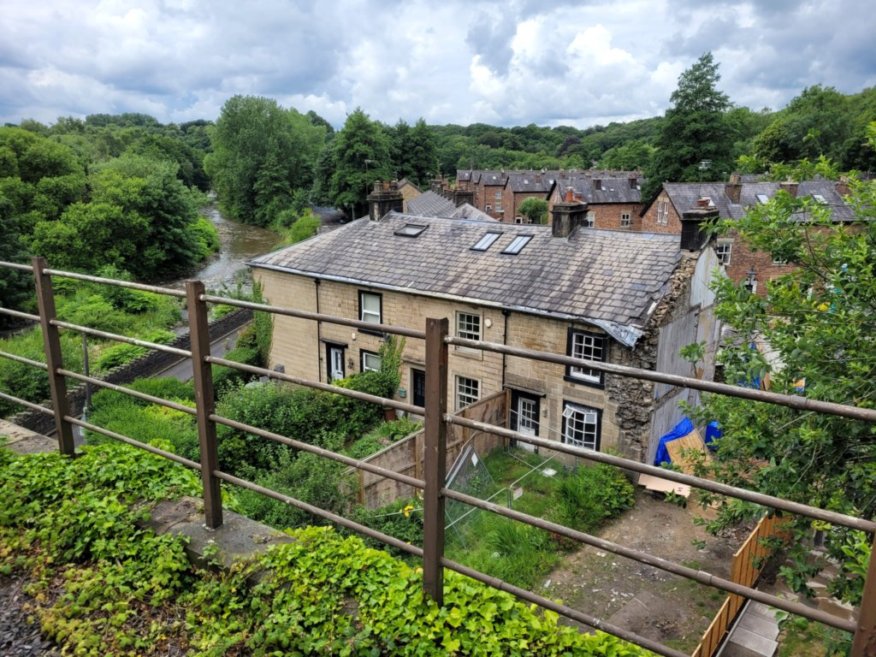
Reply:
x=226, y=378
x=593, y=494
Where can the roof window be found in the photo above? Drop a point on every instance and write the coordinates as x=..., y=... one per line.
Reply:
x=410, y=230
x=762, y=199
x=819, y=199
x=517, y=244
x=486, y=242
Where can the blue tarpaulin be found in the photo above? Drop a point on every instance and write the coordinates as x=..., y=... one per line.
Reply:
x=679, y=431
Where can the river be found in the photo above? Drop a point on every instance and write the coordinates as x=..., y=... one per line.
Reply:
x=239, y=243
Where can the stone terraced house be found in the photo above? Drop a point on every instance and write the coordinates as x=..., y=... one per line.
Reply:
x=621, y=297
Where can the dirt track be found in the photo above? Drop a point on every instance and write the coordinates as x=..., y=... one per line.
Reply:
x=640, y=598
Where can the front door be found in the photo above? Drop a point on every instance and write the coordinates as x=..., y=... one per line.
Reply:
x=418, y=385
x=335, y=362
x=525, y=417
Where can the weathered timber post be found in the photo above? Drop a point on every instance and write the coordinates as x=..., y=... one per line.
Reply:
x=52, y=342
x=434, y=458
x=864, y=643
x=199, y=330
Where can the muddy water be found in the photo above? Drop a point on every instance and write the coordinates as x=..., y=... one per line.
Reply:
x=240, y=242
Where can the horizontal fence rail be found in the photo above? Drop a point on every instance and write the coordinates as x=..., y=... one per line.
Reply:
x=437, y=421
x=778, y=503
x=317, y=317
x=791, y=401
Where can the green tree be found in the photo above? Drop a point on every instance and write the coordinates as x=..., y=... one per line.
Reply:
x=815, y=123
x=414, y=153
x=695, y=142
x=820, y=320
x=633, y=155
x=534, y=209
x=261, y=155
x=362, y=156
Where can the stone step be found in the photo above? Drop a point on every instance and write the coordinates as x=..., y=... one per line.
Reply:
x=765, y=627
x=754, y=642
x=759, y=609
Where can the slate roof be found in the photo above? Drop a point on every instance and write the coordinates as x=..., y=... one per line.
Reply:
x=530, y=182
x=468, y=211
x=608, y=279
x=684, y=196
x=612, y=186
x=431, y=204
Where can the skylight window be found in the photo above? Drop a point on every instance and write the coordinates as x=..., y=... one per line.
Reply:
x=410, y=230
x=819, y=199
x=517, y=244
x=762, y=199
x=486, y=242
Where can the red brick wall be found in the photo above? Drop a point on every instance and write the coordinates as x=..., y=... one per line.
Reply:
x=649, y=222
x=608, y=215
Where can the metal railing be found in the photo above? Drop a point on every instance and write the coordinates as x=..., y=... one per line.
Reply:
x=437, y=342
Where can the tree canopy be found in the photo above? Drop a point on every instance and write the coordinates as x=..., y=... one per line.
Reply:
x=261, y=155
x=695, y=142
x=820, y=322
x=361, y=157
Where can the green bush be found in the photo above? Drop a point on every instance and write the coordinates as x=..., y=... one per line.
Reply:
x=225, y=378
x=593, y=494
x=402, y=519
x=101, y=585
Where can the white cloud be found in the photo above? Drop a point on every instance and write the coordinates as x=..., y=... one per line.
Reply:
x=505, y=63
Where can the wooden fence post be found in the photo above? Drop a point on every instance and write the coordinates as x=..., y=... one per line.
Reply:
x=52, y=343
x=864, y=643
x=435, y=458
x=199, y=331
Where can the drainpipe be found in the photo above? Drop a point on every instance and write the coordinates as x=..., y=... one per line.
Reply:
x=506, y=314
x=318, y=334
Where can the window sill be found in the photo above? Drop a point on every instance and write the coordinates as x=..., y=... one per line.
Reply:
x=584, y=382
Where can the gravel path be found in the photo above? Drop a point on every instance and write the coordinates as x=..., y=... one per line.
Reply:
x=18, y=637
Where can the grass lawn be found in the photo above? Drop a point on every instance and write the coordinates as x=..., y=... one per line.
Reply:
x=535, y=485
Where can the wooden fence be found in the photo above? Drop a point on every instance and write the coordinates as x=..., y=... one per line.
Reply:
x=747, y=565
x=407, y=456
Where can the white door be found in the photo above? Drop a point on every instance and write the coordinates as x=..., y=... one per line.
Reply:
x=527, y=420
x=336, y=363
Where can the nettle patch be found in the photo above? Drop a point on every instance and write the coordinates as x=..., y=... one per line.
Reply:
x=102, y=585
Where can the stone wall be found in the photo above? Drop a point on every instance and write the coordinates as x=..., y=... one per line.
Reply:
x=147, y=365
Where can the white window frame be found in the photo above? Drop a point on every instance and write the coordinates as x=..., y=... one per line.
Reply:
x=468, y=326
x=662, y=212
x=369, y=361
x=468, y=391
x=587, y=346
x=626, y=220
x=589, y=219
x=581, y=426
x=724, y=251
x=368, y=314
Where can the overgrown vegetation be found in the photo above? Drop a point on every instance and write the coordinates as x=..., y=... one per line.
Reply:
x=583, y=498
x=131, y=312
x=311, y=416
x=101, y=585
x=819, y=320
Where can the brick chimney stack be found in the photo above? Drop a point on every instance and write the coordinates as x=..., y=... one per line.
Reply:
x=385, y=198
x=693, y=224
x=733, y=189
x=568, y=215
x=790, y=186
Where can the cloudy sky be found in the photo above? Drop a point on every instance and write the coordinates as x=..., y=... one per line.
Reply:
x=506, y=63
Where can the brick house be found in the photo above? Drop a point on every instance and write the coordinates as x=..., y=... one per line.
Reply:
x=731, y=201
x=627, y=298
x=614, y=197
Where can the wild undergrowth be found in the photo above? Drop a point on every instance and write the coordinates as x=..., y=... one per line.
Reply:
x=101, y=584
